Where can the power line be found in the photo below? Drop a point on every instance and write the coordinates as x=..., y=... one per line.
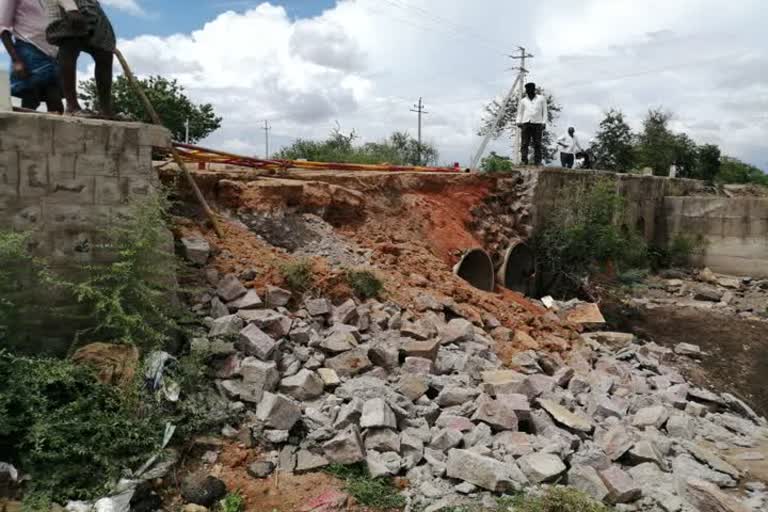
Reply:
x=437, y=27
x=420, y=110
x=441, y=21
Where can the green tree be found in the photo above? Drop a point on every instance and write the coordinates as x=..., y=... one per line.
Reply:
x=495, y=163
x=733, y=170
x=170, y=101
x=708, y=157
x=656, y=147
x=508, y=121
x=399, y=149
x=686, y=155
x=613, y=143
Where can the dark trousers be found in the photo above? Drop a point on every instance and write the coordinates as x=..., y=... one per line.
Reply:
x=531, y=132
x=567, y=160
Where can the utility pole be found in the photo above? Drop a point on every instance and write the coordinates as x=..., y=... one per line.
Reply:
x=516, y=91
x=266, y=129
x=186, y=126
x=522, y=76
x=420, y=110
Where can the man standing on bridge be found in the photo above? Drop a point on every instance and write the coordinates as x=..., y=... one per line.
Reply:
x=569, y=147
x=532, y=119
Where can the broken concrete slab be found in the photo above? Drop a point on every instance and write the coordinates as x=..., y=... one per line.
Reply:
x=377, y=414
x=621, y=487
x=345, y=448
x=255, y=342
x=277, y=297
x=250, y=300
x=349, y=363
x=230, y=288
x=305, y=385
x=196, y=249
x=484, y=472
x=498, y=414
x=503, y=382
x=565, y=417
x=706, y=497
x=278, y=412
x=587, y=480
x=541, y=467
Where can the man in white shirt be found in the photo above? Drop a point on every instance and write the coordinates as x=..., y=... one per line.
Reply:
x=569, y=148
x=532, y=117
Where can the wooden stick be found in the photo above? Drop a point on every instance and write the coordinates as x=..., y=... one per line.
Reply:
x=176, y=157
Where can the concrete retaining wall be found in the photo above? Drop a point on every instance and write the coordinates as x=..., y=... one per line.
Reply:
x=735, y=229
x=644, y=195
x=61, y=178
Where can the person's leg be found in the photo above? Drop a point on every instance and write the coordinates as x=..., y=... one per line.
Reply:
x=569, y=160
x=538, y=134
x=563, y=159
x=104, y=61
x=53, y=100
x=68, y=53
x=30, y=100
x=525, y=140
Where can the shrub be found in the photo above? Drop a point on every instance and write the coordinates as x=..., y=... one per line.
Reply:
x=585, y=230
x=364, y=283
x=371, y=492
x=132, y=299
x=554, y=499
x=679, y=252
x=24, y=280
x=232, y=502
x=496, y=163
x=72, y=434
x=298, y=275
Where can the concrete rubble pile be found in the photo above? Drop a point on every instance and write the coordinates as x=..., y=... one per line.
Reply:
x=745, y=297
x=422, y=395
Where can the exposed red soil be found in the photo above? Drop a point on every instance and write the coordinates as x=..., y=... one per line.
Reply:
x=415, y=225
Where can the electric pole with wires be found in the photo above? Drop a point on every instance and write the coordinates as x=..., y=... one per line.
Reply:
x=420, y=110
x=266, y=129
x=518, y=87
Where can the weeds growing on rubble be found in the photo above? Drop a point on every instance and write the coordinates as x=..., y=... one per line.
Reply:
x=553, y=499
x=298, y=275
x=371, y=492
x=232, y=502
x=364, y=283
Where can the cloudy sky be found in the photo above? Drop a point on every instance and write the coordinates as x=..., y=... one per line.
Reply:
x=306, y=65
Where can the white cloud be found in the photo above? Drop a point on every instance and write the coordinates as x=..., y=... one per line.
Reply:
x=130, y=6
x=365, y=62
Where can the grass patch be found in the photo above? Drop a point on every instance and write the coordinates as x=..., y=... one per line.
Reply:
x=371, y=492
x=298, y=275
x=553, y=499
x=679, y=252
x=364, y=283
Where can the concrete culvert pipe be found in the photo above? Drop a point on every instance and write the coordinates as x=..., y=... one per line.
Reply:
x=476, y=267
x=518, y=268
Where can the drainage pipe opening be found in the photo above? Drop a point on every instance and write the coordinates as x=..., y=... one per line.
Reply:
x=476, y=267
x=518, y=268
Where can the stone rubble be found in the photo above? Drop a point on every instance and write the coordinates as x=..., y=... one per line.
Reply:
x=422, y=395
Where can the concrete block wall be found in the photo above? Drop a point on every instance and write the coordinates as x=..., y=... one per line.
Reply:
x=735, y=229
x=64, y=179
